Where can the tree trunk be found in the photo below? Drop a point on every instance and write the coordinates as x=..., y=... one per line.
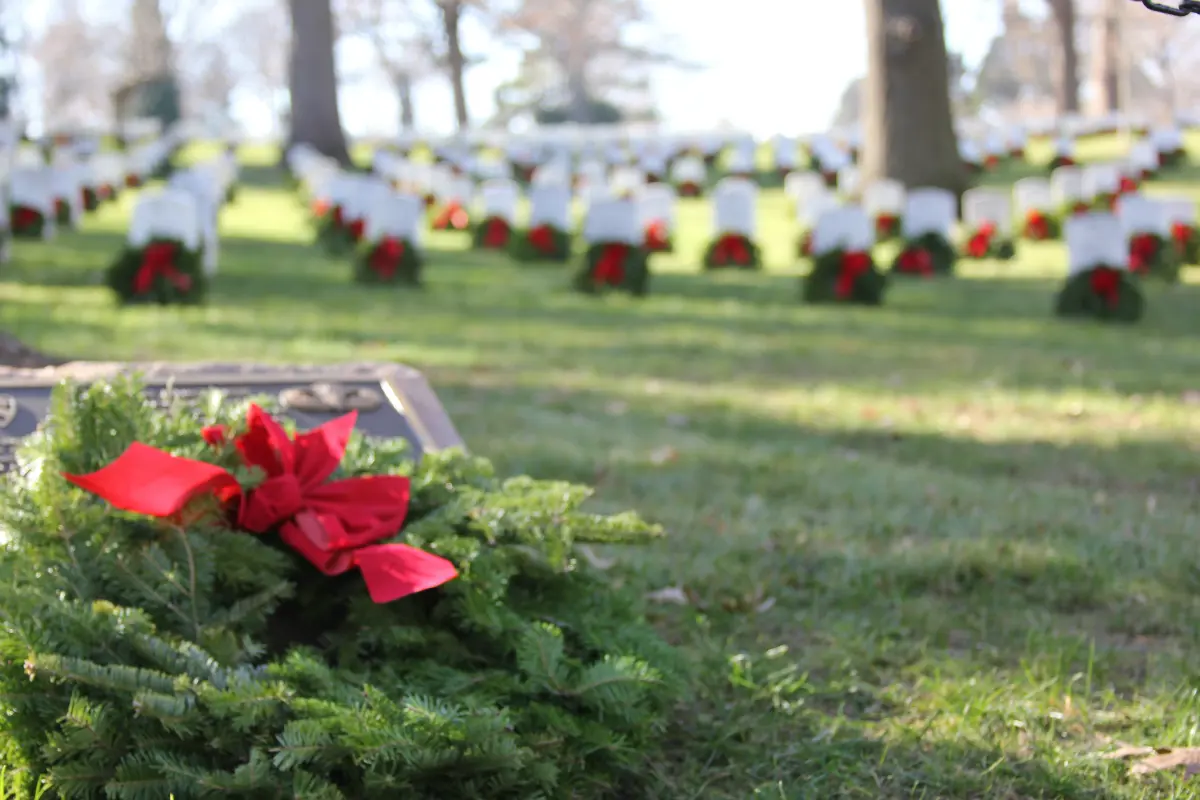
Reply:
x=312, y=81
x=455, y=62
x=404, y=93
x=1068, y=80
x=579, y=101
x=908, y=126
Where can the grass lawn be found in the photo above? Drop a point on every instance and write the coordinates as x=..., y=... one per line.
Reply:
x=946, y=548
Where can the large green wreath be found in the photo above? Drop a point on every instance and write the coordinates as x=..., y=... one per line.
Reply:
x=635, y=271
x=407, y=268
x=26, y=222
x=942, y=256
x=544, y=243
x=333, y=235
x=150, y=658
x=1160, y=258
x=482, y=229
x=62, y=213
x=1079, y=297
x=123, y=272
x=823, y=283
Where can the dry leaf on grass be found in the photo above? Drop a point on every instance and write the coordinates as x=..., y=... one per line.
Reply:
x=1159, y=759
x=669, y=594
x=664, y=455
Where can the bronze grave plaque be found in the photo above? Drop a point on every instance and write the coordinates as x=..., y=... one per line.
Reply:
x=392, y=400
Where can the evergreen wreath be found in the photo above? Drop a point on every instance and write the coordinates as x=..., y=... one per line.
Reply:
x=390, y=260
x=841, y=276
x=887, y=226
x=91, y=198
x=1041, y=226
x=1172, y=158
x=985, y=242
x=732, y=250
x=452, y=217
x=1187, y=243
x=657, y=238
x=1152, y=255
x=492, y=233
x=26, y=222
x=614, y=266
x=1061, y=161
x=336, y=235
x=163, y=272
x=541, y=243
x=804, y=244
x=108, y=193
x=927, y=255
x=62, y=212
x=133, y=181
x=146, y=657
x=689, y=189
x=1104, y=293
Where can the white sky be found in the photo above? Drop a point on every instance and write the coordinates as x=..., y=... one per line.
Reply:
x=769, y=66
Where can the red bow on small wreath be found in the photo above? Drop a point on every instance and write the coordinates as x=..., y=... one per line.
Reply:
x=386, y=257
x=1143, y=252
x=1081, y=207
x=915, y=260
x=689, y=189
x=991, y=162
x=1037, y=226
x=610, y=265
x=338, y=217
x=132, y=181
x=1181, y=234
x=541, y=238
x=980, y=242
x=24, y=217
x=1066, y=161
x=495, y=235
x=731, y=249
x=885, y=225
x=1127, y=186
x=333, y=524
x=1106, y=283
x=356, y=228
x=854, y=265
x=158, y=263
x=320, y=208
x=657, y=237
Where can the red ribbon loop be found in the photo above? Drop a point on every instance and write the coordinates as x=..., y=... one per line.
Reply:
x=610, y=265
x=854, y=265
x=731, y=249
x=334, y=525
x=24, y=217
x=917, y=261
x=386, y=257
x=542, y=239
x=1143, y=252
x=657, y=238
x=158, y=263
x=1106, y=282
x=1036, y=225
x=981, y=241
x=495, y=235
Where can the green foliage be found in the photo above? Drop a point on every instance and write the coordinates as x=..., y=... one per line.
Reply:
x=1078, y=298
x=122, y=276
x=633, y=276
x=821, y=283
x=404, y=270
x=143, y=658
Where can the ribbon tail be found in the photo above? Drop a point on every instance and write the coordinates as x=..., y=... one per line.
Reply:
x=146, y=480
x=392, y=571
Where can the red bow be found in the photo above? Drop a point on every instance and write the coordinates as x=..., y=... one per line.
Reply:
x=337, y=217
x=320, y=208
x=657, y=238
x=1181, y=234
x=1106, y=282
x=689, y=189
x=1081, y=207
x=334, y=525
x=610, y=265
x=915, y=260
x=24, y=217
x=1066, y=161
x=1037, y=227
x=731, y=249
x=356, y=228
x=452, y=216
x=106, y=191
x=1128, y=186
x=386, y=257
x=854, y=265
x=158, y=261
x=542, y=239
x=1143, y=252
x=495, y=234
x=979, y=244
x=885, y=225
x=132, y=181
x=991, y=162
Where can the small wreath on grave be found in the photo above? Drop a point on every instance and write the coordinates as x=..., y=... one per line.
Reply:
x=1061, y=161
x=830, y=177
x=26, y=222
x=1104, y=292
x=91, y=198
x=735, y=250
x=336, y=235
x=1130, y=184
x=541, y=243
x=1041, y=226
x=133, y=181
x=991, y=162
x=391, y=260
x=841, y=276
x=164, y=271
x=108, y=192
x=887, y=226
x=1017, y=154
x=62, y=212
x=657, y=238
x=985, y=242
x=614, y=266
x=927, y=255
x=1187, y=243
x=689, y=189
x=804, y=244
x=1078, y=207
x=452, y=217
x=492, y=233
x=1170, y=159
x=1154, y=256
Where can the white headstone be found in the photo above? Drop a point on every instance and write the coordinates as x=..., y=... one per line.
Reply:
x=550, y=205
x=734, y=207
x=848, y=228
x=1066, y=185
x=166, y=214
x=612, y=221
x=1033, y=194
x=395, y=215
x=1101, y=179
x=499, y=198
x=33, y=187
x=929, y=210
x=1179, y=210
x=656, y=203
x=1095, y=240
x=1139, y=214
x=689, y=169
x=988, y=206
x=884, y=197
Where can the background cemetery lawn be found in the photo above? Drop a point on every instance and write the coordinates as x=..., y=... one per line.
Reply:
x=945, y=548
